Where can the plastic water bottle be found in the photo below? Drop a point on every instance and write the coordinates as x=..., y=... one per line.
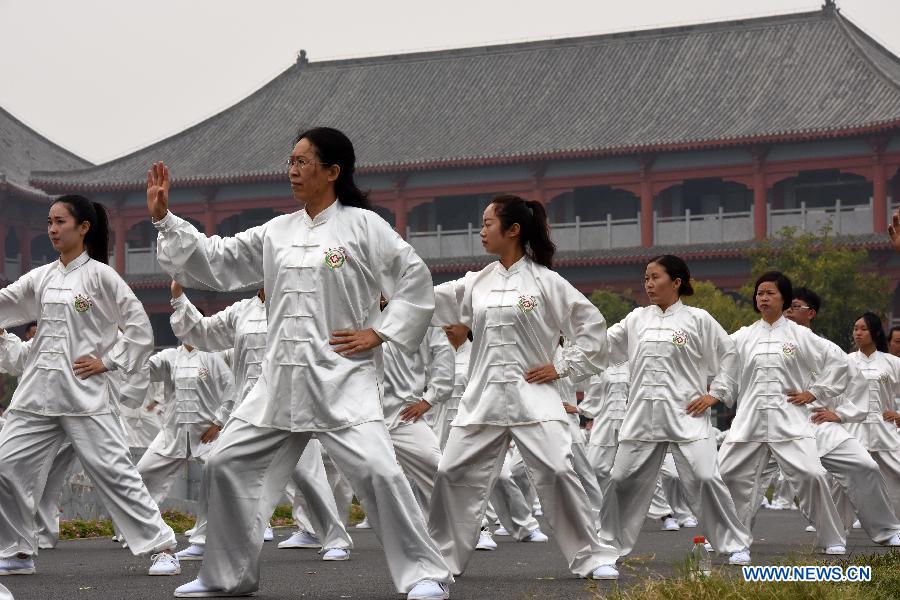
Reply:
x=701, y=561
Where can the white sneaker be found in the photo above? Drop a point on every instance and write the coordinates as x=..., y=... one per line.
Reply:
x=190, y=532
x=17, y=566
x=536, y=535
x=689, y=523
x=837, y=550
x=428, y=589
x=894, y=541
x=301, y=539
x=192, y=552
x=709, y=547
x=364, y=524
x=164, y=564
x=605, y=572
x=670, y=524
x=538, y=511
x=741, y=557
x=764, y=503
x=198, y=589
x=486, y=541
x=501, y=531
x=810, y=528
x=117, y=539
x=336, y=554
x=856, y=524
x=268, y=534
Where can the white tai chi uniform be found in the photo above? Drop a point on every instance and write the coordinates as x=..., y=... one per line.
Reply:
x=670, y=354
x=406, y=376
x=604, y=403
x=881, y=438
x=516, y=316
x=80, y=308
x=203, y=394
x=321, y=275
x=241, y=329
x=142, y=425
x=774, y=360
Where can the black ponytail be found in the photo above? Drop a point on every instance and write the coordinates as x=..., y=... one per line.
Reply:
x=532, y=220
x=335, y=148
x=96, y=241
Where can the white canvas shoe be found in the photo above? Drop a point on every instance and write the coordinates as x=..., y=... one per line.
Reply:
x=198, y=589
x=741, y=557
x=336, y=554
x=836, y=550
x=192, y=552
x=268, y=534
x=486, y=541
x=605, y=572
x=501, y=531
x=670, y=524
x=537, y=536
x=689, y=523
x=164, y=564
x=428, y=589
x=364, y=524
x=301, y=539
x=17, y=566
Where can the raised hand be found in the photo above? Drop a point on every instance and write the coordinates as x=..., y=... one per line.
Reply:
x=158, y=190
x=176, y=288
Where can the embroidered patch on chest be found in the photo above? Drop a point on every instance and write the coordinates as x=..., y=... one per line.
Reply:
x=526, y=304
x=788, y=349
x=680, y=338
x=202, y=373
x=335, y=257
x=83, y=303
x=883, y=378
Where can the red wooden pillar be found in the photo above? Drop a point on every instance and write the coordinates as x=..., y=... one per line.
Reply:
x=760, y=196
x=2, y=247
x=879, y=197
x=24, y=235
x=401, y=210
x=646, y=203
x=209, y=221
x=121, y=234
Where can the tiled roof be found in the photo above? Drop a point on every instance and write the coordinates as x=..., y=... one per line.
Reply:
x=23, y=150
x=794, y=76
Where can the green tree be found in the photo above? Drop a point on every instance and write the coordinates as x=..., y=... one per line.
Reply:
x=613, y=305
x=731, y=313
x=839, y=273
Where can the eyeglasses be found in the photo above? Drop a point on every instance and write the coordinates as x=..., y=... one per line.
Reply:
x=301, y=162
x=798, y=307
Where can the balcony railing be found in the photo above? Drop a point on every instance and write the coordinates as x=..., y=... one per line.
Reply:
x=12, y=268
x=667, y=231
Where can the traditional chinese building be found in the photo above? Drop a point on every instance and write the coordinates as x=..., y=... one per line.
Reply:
x=697, y=140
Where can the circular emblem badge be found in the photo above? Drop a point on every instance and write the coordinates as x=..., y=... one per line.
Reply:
x=335, y=257
x=883, y=378
x=83, y=303
x=203, y=373
x=788, y=349
x=526, y=304
x=679, y=338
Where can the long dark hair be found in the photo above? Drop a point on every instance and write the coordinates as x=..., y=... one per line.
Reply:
x=532, y=220
x=676, y=268
x=335, y=148
x=876, y=330
x=96, y=241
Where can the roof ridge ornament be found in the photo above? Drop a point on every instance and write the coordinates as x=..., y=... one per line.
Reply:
x=301, y=57
x=830, y=6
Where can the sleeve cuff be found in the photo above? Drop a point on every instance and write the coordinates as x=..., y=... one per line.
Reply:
x=109, y=364
x=562, y=368
x=179, y=301
x=166, y=223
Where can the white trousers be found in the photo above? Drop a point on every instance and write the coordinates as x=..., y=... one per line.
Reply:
x=673, y=490
x=418, y=452
x=585, y=472
x=46, y=519
x=521, y=477
x=859, y=488
x=28, y=442
x=472, y=461
x=743, y=464
x=509, y=505
x=602, y=459
x=634, y=477
x=314, y=506
x=250, y=467
x=340, y=487
x=889, y=463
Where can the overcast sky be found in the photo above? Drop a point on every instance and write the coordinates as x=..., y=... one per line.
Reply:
x=103, y=78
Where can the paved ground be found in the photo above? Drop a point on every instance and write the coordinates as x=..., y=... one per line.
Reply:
x=98, y=569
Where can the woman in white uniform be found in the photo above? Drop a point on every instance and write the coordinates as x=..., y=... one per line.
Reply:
x=877, y=434
x=671, y=348
x=775, y=359
x=324, y=269
x=81, y=304
x=516, y=308
x=241, y=328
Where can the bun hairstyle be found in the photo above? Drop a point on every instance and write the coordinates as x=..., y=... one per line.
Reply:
x=783, y=284
x=532, y=220
x=96, y=241
x=876, y=330
x=335, y=148
x=676, y=268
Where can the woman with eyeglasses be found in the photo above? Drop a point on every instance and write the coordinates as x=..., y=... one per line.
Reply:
x=776, y=358
x=671, y=349
x=516, y=309
x=324, y=269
